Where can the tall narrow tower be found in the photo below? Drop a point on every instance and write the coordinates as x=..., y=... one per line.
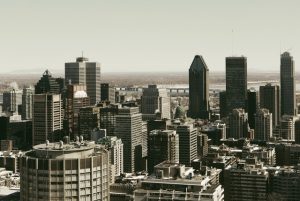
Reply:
x=198, y=89
x=236, y=83
x=287, y=83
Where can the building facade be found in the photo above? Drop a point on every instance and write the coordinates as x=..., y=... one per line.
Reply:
x=236, y=83
x=199, y=89
x=72, y=171
x=287, y=84
x=86, y=73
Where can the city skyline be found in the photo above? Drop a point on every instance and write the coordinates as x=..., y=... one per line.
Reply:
x=138, y=36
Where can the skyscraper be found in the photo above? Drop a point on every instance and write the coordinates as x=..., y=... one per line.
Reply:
x=238, y=124
x=187, y=143
x=27, y=103
x=89, y=119
x=287, y=84
x=76, y=98
x=129, y=129
x=108, y=93
x=155, y=100
x=236, y=83
x=47, y=118
x=65, y=171
x=198, y=89
x=163, y=146
x=269, y=96
x=252, y=104
x=48, y=84
x=86, y=73
x=263, y=125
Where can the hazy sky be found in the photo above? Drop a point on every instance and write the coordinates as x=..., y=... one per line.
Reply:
x=155, y=35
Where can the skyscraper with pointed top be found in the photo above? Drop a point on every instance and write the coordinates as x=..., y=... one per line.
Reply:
x=198, y=89
x=287, y=84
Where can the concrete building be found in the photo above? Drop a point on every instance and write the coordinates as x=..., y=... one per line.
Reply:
x=175, y=182
x=155, y=100
x=269, y=98
x=86, y=73
x=198, y=89
x=47, y=118
x=27, y=103
x=108, y=93
x=187, y=143
x=287, y=84
x=246, y=182
x=115, y=147
x=263, y=125
x=163, y=146
x=287, y=127
x=285, y=184
x=72, y=171
x=287, y=154
x=11, y=100
x=129, y=129
x=236, y=83
x=215, y=131
x=238, y=124
x=89, y=119
x=76, y=98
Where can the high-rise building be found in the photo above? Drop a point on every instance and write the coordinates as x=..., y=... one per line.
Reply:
x=269, y=98
x=263, y=125
x=236, y=83
x=202, y=145
x=245, y=182
x=10, y=101
x=108, y=118
x=238, y=124
x=115, y=146
x=187, y=143
x=129, y=129
x=155, y=100
x=297, y=131
x=47, y=118
x=71, y=171
x=89, y=119
x=223, y=104
x=252, y=105
x=287, y=84
x=48, y=84
x=287, y=127
x=163, y=146
x=108, y=93
x=27, y=103
x=198, y=89
x=86, y=73
x=286, y=183
x=76, y=98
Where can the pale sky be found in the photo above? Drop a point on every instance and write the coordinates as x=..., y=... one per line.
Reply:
x=146, y=35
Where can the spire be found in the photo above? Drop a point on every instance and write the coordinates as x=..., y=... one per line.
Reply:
x=198, y=64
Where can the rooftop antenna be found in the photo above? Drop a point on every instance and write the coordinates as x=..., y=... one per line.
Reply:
x=82, y=54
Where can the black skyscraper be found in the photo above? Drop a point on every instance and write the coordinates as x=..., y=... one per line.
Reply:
x=198, y=89
x=251, y=106
x=236, y=83
x=287, y=84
